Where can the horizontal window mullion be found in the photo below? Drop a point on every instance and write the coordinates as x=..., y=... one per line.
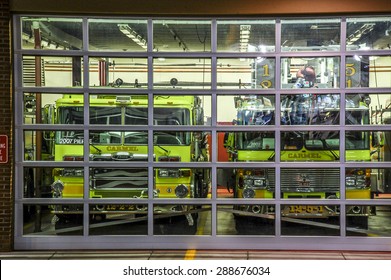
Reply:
x=284, y=54
x=117, y=127
x=245, y=91
x=113, y=91
x=310, y=164
x=54, y=90
x=368, y=127
x=180, y=54
x=229, y=128
x=182, y=91
x=178, y=201
x=48, y=52
x=368, y=164
x=367, y=90
x=54, y=164
x=51, y=201
x=314, y=91
x=94, y=53
x=182, y=164
x=184, y=128
x=57, y=127
x=310, y=128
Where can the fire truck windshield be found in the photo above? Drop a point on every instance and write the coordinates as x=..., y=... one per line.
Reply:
x=323, y=140
x=128, y=116
x=256, y=141
x=125, y=115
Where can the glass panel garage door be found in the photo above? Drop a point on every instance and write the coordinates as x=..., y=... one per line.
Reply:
x=202, y=133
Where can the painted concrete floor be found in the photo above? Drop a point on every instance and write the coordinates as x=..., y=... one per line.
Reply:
x=195, y=255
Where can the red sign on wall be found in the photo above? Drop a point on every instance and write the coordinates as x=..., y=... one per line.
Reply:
x=3, y=148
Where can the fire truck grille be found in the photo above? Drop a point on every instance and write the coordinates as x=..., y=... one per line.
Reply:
x=130, y=178
x=310, y=180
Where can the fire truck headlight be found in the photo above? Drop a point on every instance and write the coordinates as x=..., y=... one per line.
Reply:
x=259, y=182
x=181, y=191
x=350, y=181
x=356, y=181
x=163, y=172
x=72, y=172
x=170, y=173
x=57, y=188
x=248, y=193
x=361, y=182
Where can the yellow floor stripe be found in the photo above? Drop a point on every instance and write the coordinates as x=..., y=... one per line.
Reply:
x=190, y=254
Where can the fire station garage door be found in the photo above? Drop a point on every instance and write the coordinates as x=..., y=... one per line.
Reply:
x=202, y=133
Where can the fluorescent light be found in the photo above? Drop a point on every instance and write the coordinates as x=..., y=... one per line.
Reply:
x=244, y=37
x=132, y=34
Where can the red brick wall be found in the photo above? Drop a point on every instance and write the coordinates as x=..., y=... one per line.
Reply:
x=6, y=121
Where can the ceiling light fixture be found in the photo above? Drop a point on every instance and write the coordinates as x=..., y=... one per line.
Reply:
x=244, y=38
x=45, y=44
x=132, y=34
x=363, y=30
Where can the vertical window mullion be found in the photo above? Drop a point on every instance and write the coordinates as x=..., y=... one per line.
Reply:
x=277, y=129
x=342, y=131
x=150, y=128
x=86, y=127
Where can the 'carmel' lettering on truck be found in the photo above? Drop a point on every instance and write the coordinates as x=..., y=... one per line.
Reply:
x=122, y=148
x=304, y=155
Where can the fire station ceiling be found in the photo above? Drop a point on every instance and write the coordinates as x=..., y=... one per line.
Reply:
x=194, y=36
